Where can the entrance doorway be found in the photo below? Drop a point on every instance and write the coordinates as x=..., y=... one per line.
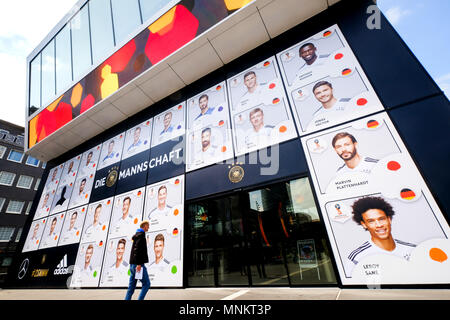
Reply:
x=271, y=236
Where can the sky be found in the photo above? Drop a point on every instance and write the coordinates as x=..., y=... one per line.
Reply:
x=421, y=23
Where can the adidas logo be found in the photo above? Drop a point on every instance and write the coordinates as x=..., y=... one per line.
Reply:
x=61, y=268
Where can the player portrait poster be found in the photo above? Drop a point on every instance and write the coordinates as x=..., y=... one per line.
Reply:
x=127, y=213
x=86, y=272
x=34, y=235
x=373, y=196
x=89, y=160
x=115, y=270
x=82, y=189
x=48, y=193
x=97, y=221
x=52, y=231
x=73, y=225
x=111, y=151
x=137, y=139
x=259, y=108
x=209, y=132
x=169, y=124
x=325, y=83
x=164, y=206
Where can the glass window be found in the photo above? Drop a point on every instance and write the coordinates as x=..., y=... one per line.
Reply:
x=24, y=182
x=101, y=29
x=7, y=178
x=44, y=164
x=126, y=17
x=38, y=181
x=81, y=43
x=35, y=85
x=150, y=7
x=48, y=73
x=31, y=161
x=2, y=151
x=2, y=202
x=19, y=234
x=15, y=156
x=15, y=206
x=6, y=233
x=63, y=60
x=29, y=207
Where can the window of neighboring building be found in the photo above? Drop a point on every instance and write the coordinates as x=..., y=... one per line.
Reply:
x=24, y=182
x=6, y=233
x=7, y=178
x=7, y=261
x=2, y=151
x=15, y=156
x=38, y=181
x=19, y=234
x=126, y=17
x=29, y=207
x=2, y=202
x=31, y=161
x=15, y=206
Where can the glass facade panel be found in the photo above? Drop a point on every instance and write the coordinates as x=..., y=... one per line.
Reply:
x=81, y=45
x=48, y=73
x=2, y=151
x=150, y=7
x=15, y=206
x=7, y=178
x=31, y=161
x=15, y=156
x=126, y=17
x=63, y=60
x=101, y=29
x=35, y=85
x=6, y=233
x=24, y=182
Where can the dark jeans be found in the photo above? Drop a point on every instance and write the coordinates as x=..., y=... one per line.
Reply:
x=132, y=284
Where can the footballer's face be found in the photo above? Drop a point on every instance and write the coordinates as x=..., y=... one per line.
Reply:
x=73, y=219
x=54, y=174
x=346, y=148
x=111, y=147
x=257, y=119
x=137, y=134
x=250, y=81
x=89, y=158
x=70, y=167
x=158, y=247
x=36, y=229
x=167, y=120
x=162, y=196
x=206, y=138
x=88, y=256
x=125, y=207
x=45, y=199
x=120, y=251
x=308, y=53
x=377, y=223
x=52, y=227
x=82, y=184
x=323, y=93
x=203, y=104
x=97, y=214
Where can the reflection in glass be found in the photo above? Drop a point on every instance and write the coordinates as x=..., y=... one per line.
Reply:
x=63, y=60
x=35, y=85
x=48, y=73
x=81, y=47
x=150, y=7
x=126, y=17
x=101, y=29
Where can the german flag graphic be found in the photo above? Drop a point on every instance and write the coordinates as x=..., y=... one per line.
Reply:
x=100, y=244
x=371, y=124
x=272, y=85
x=407, y=194
x=175, y=231
x=361, y=102
x=218, y=88
x=327, y=33
x=221, y=122
x=177, y=181
x=393, y=165
x=180, y=107
x=82, y=210
x=266, y=64
x=346, y=71
x=147, y=123
x=139, y=193
x=109, y=201
x=275, y=101
x=338, y=56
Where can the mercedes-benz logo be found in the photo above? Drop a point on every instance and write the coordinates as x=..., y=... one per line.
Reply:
x=23, y=268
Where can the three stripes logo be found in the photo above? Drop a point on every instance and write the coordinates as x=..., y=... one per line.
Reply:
x=62, y=268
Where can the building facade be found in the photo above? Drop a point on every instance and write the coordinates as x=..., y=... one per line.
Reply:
x=269, y=143
x=20, y=176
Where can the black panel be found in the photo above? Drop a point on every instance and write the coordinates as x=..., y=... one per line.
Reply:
x=166, y=160
x=424, y=127
x=133, y=172
x=258, y=167
x=105, y=183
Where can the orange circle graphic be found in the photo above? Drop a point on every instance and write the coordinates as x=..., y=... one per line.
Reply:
x=438, y=255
